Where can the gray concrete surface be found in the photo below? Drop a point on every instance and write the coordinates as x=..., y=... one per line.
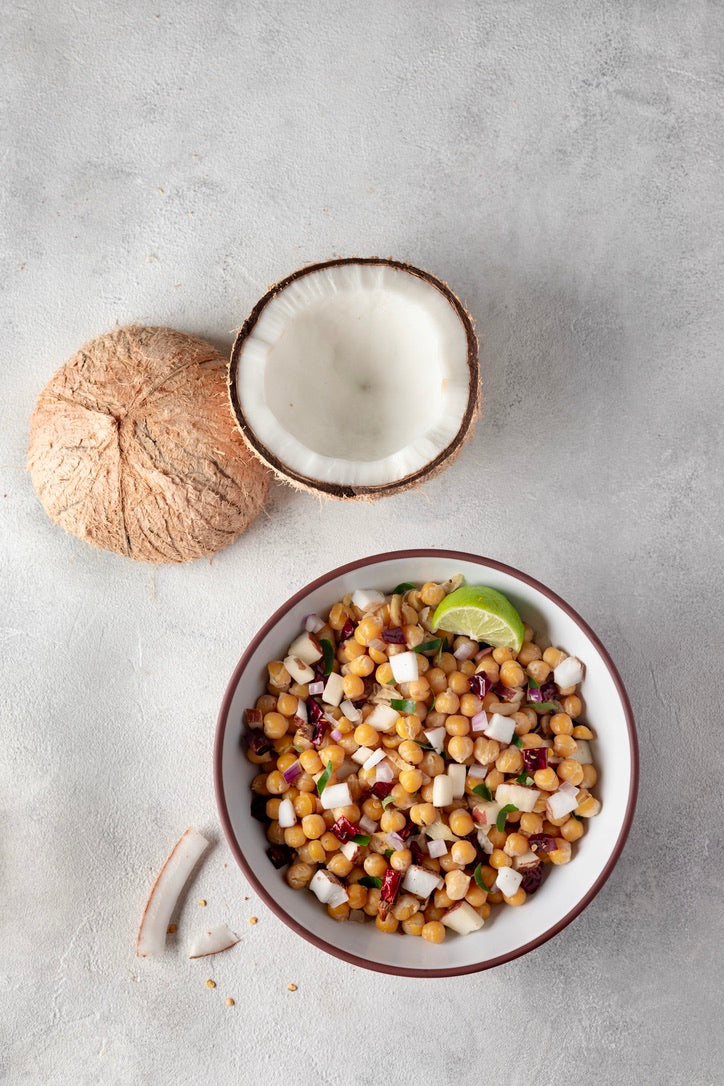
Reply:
x=560, y=165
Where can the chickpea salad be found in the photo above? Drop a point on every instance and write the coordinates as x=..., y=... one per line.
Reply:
x=414, y=775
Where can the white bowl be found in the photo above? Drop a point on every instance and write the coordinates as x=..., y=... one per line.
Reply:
x=509, y=932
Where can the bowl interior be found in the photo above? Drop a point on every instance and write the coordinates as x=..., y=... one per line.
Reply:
x=508, y=931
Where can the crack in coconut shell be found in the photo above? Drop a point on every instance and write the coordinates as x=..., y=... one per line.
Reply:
x=437, y=464
x=132, y=448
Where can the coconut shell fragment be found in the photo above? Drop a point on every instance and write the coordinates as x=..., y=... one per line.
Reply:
x=133, y=448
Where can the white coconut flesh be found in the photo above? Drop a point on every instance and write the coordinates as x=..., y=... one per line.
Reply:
x=356, y=375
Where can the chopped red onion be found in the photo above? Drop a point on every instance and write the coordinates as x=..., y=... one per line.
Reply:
x=394, y=635
x=347, y=630
x=384, y=773
x=480, y=684
x=317, y=687
x=294, y=771
x=436, y=849
x=535, y=758
x=336, y=734
x=479, y=722
x=367, y=825
x=344, y=830
x=395, y=841
x=486, y=651
x=505, y=693
x=533, y=694
x=532, y=878
x=542, y=842
x=258, y=743
x=375, y=758
x=566, y=786
x=478, y=772
x=377, y=644
x=302, y=710
x=381, y=789
x=313, y=623
x=549, y=691
x=254, y=718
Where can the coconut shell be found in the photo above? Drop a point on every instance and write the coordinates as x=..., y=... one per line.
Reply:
x=443, y=460
x=133, y=448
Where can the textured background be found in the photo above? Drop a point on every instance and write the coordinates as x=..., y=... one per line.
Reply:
x=559, y=164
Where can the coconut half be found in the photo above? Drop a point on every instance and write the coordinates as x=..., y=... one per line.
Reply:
x=356, y=378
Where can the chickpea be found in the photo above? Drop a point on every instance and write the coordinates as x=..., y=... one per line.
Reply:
x=314, y=826
x=362, y=665
x=493, y=779
x=373, y=902
x=463, y=852
x=529, y=652
x=295, y=837
x=518, y=898
x=447, y=702
x=266, y=703
x=278, y=675
x=539, y=670
x=411, y=780
x=419, y=689
x=546, y=779
x=432, y=764
x=461, y=822
x=476, y=896
x=433, y=931
x=411, y=752
x=400, y=860
x=458, y=683
x=414, y=925
x=409, y=727
x=572, y=705
x=368, y=630
x=432, y=594
x=339, y=865
x=588, y=806
x=457, y=725
x=523, y=722
x=437, y=680
x=498, y=859
x=310, y=761
x=509, y=760
x=405, y=907
x=457, y=884
x=590, y=776
x=564, y=745
x=582, y=732
x=570, y=770
x=442, y=899
x=572, y=830
x=299, y=875
x=486, y=750
x=554, y=657
x=339, y=912
x=516, y=845
x=275, y=725
x=276, y=784
x=392, y=821
x=384, y=675
x=490, y=667
x=400, y=798
x=349, y=651
x=561, y=854
x=315, y=852
x=287, y=704
x=561, y=724
x=531, y=823
x=275, y=833
x=333, y=754
x=501, y=656
x=375, y=865
x=448, y=864
x=511, y=674
x=424, y=814
x=304, y=804
x=305, y=783
x=366, y=736
x=353, y=686
x=470, y=704
x=460, y=748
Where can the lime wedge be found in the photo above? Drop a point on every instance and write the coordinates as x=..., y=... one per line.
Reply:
x=481, y=613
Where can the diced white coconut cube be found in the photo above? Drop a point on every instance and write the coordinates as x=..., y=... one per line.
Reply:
x=478, y=772
x=436, y=739
x=442, y=791
x=334, y=689
x=361, y=755
x=568, y=673
x=500, y=727
x=521, y=797
x=436, y=849
x=582, y=753
x=462, y=918
x=351, y=850
x=383, y=718
x=299, y=671
x=420, y=882
x=366, y=824
x=405, y=667
x=353, y=714
x=307, y=648
x=486, y=813
x=336, y=795
x=508, y=881
x=528, y=859
x=367, y=598
x=561, y=803
x=302, y=710
x=287, y=815
x=375, y=757
x=328, y=888
x=457, y=774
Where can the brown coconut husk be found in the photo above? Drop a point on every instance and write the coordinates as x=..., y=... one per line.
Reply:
x=365, y=493
x=132, y=448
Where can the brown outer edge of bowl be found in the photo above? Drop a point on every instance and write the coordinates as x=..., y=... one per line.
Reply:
x=276, y=908
x=337, y=490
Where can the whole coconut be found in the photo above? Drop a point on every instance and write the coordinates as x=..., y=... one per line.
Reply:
x=133, y=448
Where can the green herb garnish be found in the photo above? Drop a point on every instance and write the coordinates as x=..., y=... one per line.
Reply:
x=483, y=791
x=361, y=839
x=477, y=875
x=504, y=811
x=578, y=818
x=388, y=853
x=328, y=650
x=534, y=684
x=517, y=741
x=404, y=587
x=546, y=706
x=386, y=801
x=524, y=778
x=403, y=705
x=370, y=881
x=390, y=682
x=324, y=779
x=428, y=646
